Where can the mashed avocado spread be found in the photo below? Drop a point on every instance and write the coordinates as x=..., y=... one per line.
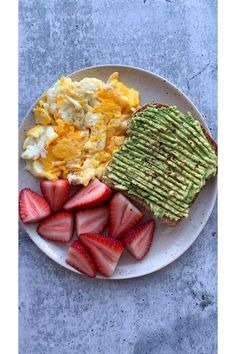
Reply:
x=164, y=162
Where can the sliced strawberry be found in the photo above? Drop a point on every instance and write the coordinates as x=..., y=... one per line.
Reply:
x=106, y=251
x=92, y=220
x=94, y=194
x=57, y=227
x=78, y=258
x=33, y=207
x=56, y=192
x=123, y=216
x=138, y=240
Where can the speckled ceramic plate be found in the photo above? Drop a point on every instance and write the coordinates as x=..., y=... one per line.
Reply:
x=169, y=243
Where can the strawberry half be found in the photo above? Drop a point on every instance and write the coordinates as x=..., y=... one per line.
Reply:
x=106, y=251
x=78, y=258
x=55, y=192
x=123, y=216
x=94, y=194
x=57, y=227
x=91, y=220
x=33, y=207
x=138, y=240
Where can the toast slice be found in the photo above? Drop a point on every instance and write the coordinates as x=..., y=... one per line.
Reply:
x=164, y=162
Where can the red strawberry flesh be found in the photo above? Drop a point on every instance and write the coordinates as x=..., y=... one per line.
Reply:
x=123, y=216
x=138, y=240
x=57, y=227
x=55, y=192
x=105, y=251
x=33, y=207
x=95, y=193
x=78, y=258
x=92, y=220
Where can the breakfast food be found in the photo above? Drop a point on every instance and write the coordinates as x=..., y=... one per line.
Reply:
x=92, y=134
x=139, y=239
x=78, y=258
x=55, y=192
x=94, y=194
x=57, y=227
x=123, y=216
x=105, y=250
x=164, y=163
x=92, y=220
x=91, y=251
x=79, y=125
x=32, y=207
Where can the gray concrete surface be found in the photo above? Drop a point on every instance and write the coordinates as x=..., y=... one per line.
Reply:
x=171, y=311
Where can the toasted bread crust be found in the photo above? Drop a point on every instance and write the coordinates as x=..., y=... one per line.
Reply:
x=167, y=221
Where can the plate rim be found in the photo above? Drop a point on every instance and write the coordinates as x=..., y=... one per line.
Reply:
x=209, y=210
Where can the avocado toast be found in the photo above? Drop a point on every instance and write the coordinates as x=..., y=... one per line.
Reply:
x=164, y=162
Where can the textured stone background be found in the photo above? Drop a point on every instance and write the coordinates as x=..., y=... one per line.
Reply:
x=173, y=310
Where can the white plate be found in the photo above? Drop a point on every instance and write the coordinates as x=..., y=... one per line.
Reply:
x=169, y=243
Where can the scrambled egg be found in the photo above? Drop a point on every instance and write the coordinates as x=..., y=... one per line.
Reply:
x=79, y=126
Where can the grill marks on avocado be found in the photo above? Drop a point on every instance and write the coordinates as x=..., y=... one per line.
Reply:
x=179, y=141
x=161, y=143
x=160, y=189
x=135, y=188
x=151, y=169
x=165, y=161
